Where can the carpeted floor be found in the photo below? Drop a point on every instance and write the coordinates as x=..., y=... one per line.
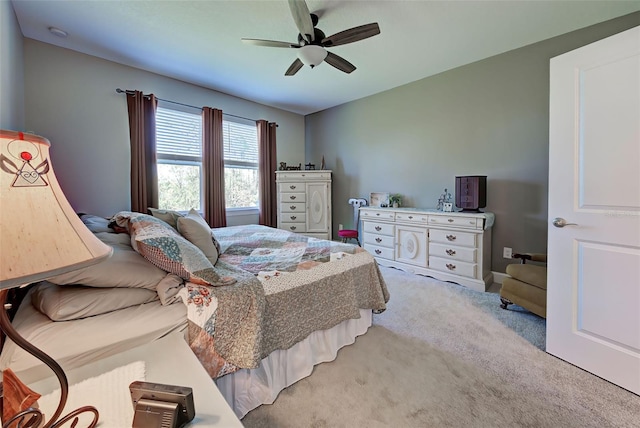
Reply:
x=445, y=356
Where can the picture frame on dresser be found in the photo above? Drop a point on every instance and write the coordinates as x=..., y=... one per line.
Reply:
x=379, y=199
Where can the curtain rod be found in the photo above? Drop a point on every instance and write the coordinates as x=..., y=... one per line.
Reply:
x=129, y=91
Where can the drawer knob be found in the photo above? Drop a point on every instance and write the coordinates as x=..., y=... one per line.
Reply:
x=292, y=228
x=292, y=187
x=450, y=220
x=293, y=207
x=292, y=197
x=451, y=237
x=378, y=214
x=450, y=252
x=378, y=240
x=293, y=217
x=410, y=217
x=378, y=228
x=450, y=266
x=378, y=251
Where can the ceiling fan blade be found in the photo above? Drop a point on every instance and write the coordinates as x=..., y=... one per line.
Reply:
x=352, y=35
x=294, y=67
x=302, y=18
x=270, y=43
x=339, y=63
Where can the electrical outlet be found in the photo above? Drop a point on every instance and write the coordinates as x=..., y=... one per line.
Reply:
x=507, y=253
x=340, y=227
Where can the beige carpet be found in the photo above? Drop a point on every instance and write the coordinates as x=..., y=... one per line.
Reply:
x=444, y=356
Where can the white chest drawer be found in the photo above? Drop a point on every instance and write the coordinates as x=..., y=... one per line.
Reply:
x=377, y=214
x=293, y=227
x=453, y=266
x=293, y=197
x=382, y=252
x=379, y=228
x=453, y=252
x=452, y=237
x=294, y=217
x=292, y=207
x=412, y=218
x=380, y=240
x=456, y=221
x=291, y=187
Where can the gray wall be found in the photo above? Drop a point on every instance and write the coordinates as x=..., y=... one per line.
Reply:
x=70, y=99
x=11, y=70
x=487, y=118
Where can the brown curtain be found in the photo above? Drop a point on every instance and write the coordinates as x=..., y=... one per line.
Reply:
x=142, y=134
x=215, y=212
x=267, y=168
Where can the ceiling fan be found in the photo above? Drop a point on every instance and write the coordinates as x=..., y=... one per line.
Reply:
x=312, y=42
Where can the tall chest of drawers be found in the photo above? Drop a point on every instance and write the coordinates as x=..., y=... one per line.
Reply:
x=448, y=246
x=304, y=202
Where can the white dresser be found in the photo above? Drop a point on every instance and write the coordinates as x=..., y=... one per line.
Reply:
x=452, y=247
x=304, y=202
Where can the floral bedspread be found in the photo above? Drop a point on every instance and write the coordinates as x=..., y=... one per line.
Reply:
x=288, y=285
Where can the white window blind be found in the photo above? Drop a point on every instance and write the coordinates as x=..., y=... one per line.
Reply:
x=178, y=135
x=240, y=143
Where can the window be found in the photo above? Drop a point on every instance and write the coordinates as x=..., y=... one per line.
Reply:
x=179, y=154
x=240, y=164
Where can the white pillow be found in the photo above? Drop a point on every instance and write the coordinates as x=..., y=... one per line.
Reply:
x=196, y=230
x=168, y=216
x=70, y=302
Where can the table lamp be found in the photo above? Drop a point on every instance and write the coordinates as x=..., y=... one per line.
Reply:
x=40, y=236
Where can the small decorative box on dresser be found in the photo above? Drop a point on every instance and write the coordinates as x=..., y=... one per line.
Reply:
x=448, y=246
x=304, y=202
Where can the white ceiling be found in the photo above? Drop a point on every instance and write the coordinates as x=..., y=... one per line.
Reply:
x=199, y=41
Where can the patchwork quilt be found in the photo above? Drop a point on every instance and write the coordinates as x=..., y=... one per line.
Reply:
x=287, y=286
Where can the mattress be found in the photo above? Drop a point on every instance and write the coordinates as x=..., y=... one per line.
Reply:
x=75, y=343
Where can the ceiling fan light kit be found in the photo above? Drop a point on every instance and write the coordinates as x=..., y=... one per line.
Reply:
x=312, y=41
x=312, y=55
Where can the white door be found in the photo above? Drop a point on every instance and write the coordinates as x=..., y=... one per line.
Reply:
x=593, y=297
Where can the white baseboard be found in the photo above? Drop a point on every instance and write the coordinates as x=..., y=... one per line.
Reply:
x=498, y=277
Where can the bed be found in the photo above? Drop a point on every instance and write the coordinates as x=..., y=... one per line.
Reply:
x=258, y=306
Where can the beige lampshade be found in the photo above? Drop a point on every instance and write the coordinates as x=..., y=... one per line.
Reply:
x=40, y=234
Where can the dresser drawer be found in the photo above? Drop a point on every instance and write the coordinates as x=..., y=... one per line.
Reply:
x=455, y=267
x=412, y=218
x=294, y=217
x=306, y=175
x=456, y=221
x=380, y=240
x=378, y=228
x=293, y=227
x=388, y=215
x=291, y=187
x=453, y=252
x=292, y=207
x=293, y=197
x=452, y=237
x=377, y=251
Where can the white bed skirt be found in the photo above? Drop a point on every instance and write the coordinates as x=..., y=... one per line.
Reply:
x=247, y=389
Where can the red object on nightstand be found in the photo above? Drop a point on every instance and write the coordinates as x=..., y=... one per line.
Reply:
x=348, y=234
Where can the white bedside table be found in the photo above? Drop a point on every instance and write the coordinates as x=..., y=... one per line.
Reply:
x=168, y=361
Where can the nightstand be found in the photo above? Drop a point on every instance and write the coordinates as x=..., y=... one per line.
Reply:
x=168, y=360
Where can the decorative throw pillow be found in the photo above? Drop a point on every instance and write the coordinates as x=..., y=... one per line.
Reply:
x=165, y=248
x=125, y=268
x=168, y=216
x=197, y=231
x=71, y=302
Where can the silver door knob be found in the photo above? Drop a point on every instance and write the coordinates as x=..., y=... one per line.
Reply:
x=560, y=222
